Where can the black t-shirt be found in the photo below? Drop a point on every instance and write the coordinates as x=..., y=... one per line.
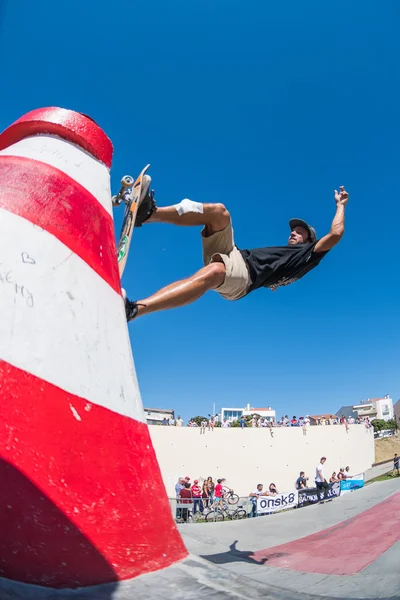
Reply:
x=276, y=266
x=300, y=481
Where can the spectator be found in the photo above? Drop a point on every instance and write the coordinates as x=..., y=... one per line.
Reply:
x=334, y=478
x=171, y=422
x=196, y=495
x=301, y=482
x=211, y=424
x=347, y=472
x=211, y=486
x=185, y=498
x=164, y=421
x=226, y=423
x=294, y=422
x=218, y=492
x=320, y=480
x=204, y=494
x=178, y=487
x=203, y=426
x=396, y=464
x=342, y=474
x=243, y=422
x=253, y=421
x=179, y=421
x=272, y=489
x=253, y=498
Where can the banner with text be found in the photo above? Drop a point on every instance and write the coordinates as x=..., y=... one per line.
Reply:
x=312, y=495
x=268, y=504
x=352, y=483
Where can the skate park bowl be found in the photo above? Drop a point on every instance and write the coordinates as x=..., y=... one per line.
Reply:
x=74, y=438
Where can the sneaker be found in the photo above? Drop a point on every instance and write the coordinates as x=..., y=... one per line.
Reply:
x=147, y=204
x=131, y=309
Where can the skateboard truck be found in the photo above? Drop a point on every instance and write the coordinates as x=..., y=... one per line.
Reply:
x=126, y=182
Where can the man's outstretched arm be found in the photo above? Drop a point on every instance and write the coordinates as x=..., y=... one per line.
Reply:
x=337, y=228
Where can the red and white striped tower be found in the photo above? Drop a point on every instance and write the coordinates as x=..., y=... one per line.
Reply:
x=82, y=501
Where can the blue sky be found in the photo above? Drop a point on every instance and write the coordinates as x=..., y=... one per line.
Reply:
x=267, y=107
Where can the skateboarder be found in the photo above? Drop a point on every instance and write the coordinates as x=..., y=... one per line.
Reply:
x=232, y=272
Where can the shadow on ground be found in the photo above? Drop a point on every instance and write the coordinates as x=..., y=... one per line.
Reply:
x=235, y=555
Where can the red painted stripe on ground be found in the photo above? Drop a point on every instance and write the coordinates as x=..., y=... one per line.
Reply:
x=94, y=507
x=74, y=216
x=344, y=549
x=68, y=124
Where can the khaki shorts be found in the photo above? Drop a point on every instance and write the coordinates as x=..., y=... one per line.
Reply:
x=220, y=247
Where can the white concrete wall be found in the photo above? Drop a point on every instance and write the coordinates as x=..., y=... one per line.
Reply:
x=246, y=457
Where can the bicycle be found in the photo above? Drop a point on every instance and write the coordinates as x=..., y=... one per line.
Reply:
x=230, y=496
x=216, y=513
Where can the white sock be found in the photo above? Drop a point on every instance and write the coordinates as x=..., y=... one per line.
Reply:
x=186, y=206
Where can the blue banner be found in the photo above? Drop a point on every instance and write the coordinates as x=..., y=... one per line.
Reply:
x=354, y=483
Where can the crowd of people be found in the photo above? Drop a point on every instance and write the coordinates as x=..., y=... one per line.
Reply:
x=207, y=493
x=259, y=421
x=302, y=480
x=202, y=496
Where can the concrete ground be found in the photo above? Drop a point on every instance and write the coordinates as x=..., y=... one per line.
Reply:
x=378, y=470
x=345, y=549
x=354, y=551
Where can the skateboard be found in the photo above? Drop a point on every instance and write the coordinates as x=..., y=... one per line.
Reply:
x=129, y=194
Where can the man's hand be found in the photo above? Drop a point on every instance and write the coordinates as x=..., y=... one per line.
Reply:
x=337, y=227
x=342, y=196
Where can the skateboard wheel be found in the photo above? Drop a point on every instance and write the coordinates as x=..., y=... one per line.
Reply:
x=116, y=201
x=127, y=181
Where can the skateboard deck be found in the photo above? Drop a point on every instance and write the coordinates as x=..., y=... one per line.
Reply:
x=129, y=194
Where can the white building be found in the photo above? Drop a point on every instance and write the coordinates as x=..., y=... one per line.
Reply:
x=232, y=414
x=376, y=408
x=155, y=416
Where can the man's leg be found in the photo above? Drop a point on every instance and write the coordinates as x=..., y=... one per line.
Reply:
x=181, y=292
x=214, y=217
x=326, y=489
x=319, y=488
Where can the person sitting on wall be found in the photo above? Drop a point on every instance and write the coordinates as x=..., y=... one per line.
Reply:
x=334, y=478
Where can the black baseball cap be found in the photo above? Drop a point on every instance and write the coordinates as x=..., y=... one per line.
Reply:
x=299, y=222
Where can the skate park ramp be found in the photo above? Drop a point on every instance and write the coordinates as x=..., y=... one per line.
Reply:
x=347, y=549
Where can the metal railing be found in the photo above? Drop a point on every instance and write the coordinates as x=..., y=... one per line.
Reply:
x=197, y=511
